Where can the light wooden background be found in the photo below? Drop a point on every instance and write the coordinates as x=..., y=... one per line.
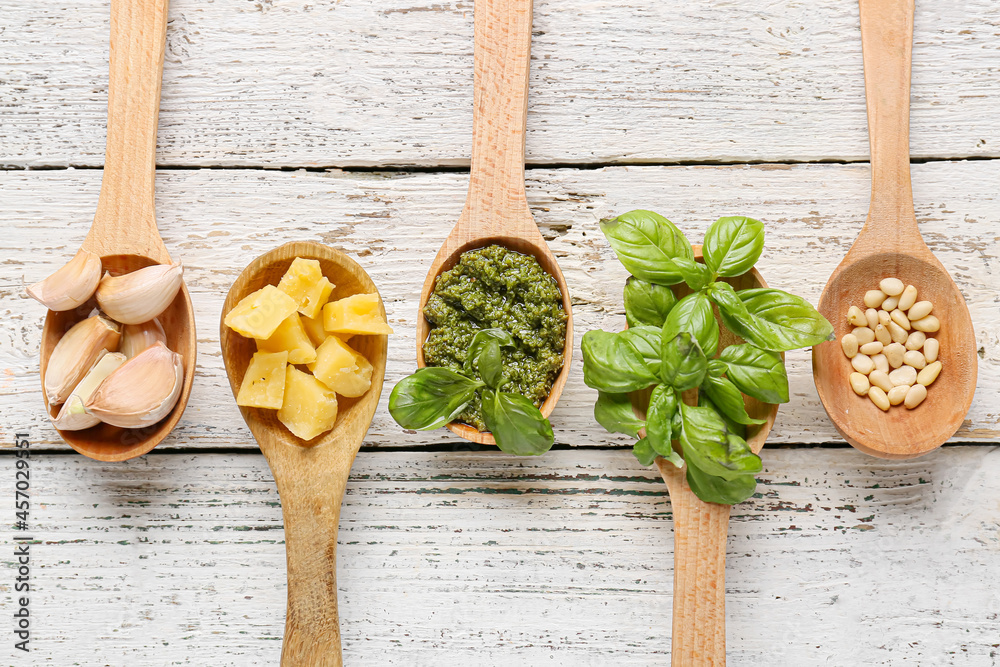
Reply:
x=348, y=122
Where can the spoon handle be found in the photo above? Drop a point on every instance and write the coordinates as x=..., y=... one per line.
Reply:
x=125, y=222
x=496, y=198
x=698, y=635
x=311, y=483
x=887, y=41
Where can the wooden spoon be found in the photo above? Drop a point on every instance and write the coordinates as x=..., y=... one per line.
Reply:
x=311, y=477
x=124, y=229
x=890, y=245
x=698, y=635
x=496, y=208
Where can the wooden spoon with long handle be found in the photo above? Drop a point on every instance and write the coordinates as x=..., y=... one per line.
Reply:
x=311, y=477
x=890, y=245
x=496, y=208
x=124, y=230
x=698, y=634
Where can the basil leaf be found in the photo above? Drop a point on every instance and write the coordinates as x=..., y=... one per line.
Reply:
x=733, y=427
x=737, y=317
x=430, y=398
x=482, y=338
x=659, y=416
x=516, y=424
x=684, y=364
x=694, y=315
x=646, y=244
x=728, y=399
x=646, y=341
x=643, y=451
x=733, y=245
x=490, y=364
x=755, y=372
x=716, y=368
x=695, y=274
x=708, y=444
x=614, y=412
x=791, y=318
x=714, y=489
x=647, y=303
x=612, y=364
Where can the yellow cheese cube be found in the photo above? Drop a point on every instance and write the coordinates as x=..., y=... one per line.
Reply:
x=301, y=275
x=290, y=336
x=258, y=315
x=316, y=297
x=357, y=314
x=309, y=408
x=314, y=329
x=342, y=369
x=264, y=383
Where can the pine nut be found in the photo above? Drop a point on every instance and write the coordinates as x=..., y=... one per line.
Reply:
x=864, y=335
x=882, y=334
x=920, y=310
x=898, y=333
x=850, y=344
x=880, y=379
x=860, y=384
x=927, y=376
x=915, y=396
x=899, y=317
x=891, y=286
x=879, y=398
x=856, y=316
x=903, y=375
x=890, y=303
x=863, y=364
x=881, y=363
x=874, y=347
x=871, y=316
x=931, y=349
x=915, y=358
x=897, y=394
x=884, y=318
x=907, y=298
x=874, y=298
x=928, y=324
x=916, y=340
x=894, y=353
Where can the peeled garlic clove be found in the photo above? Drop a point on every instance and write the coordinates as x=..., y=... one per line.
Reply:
x=137, y=338
x=71, y=285
x=76, y=353
x=139, y=296
x=73, y=416
x=142, y=391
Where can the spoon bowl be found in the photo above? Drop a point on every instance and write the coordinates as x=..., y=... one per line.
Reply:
x=311, y=477
x=496, y=208
x=890, y=245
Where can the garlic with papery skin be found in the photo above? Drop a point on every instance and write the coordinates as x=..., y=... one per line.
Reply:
x=73, y=416
x=137, y=338
x=142, y=391
x=141, y=295
x=71, y=285
x=76, y=353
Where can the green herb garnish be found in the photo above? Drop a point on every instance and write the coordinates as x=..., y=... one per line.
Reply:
x=672, y=346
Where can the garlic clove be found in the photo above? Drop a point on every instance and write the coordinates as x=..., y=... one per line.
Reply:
x=137, y=338
x=141, y=295
x=73, y=416
x=76, y=353
x=142, y=391
x=71, y=285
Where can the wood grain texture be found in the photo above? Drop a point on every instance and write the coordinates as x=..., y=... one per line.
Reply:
x=216, y=222
x=356, y=82
x=496, y=561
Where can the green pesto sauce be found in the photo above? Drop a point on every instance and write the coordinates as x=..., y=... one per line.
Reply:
x=494, y=287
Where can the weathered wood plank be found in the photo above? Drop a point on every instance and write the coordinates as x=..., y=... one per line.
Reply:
x=485, y=559
x=217, y=221
x=359, y=82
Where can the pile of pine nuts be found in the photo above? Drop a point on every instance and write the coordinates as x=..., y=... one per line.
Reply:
x=894, y=358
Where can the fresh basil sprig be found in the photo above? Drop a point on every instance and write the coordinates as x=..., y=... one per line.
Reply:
x=672, y=346
x=434, y=396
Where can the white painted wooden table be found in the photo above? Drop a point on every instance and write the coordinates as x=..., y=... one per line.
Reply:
x=348, y=122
